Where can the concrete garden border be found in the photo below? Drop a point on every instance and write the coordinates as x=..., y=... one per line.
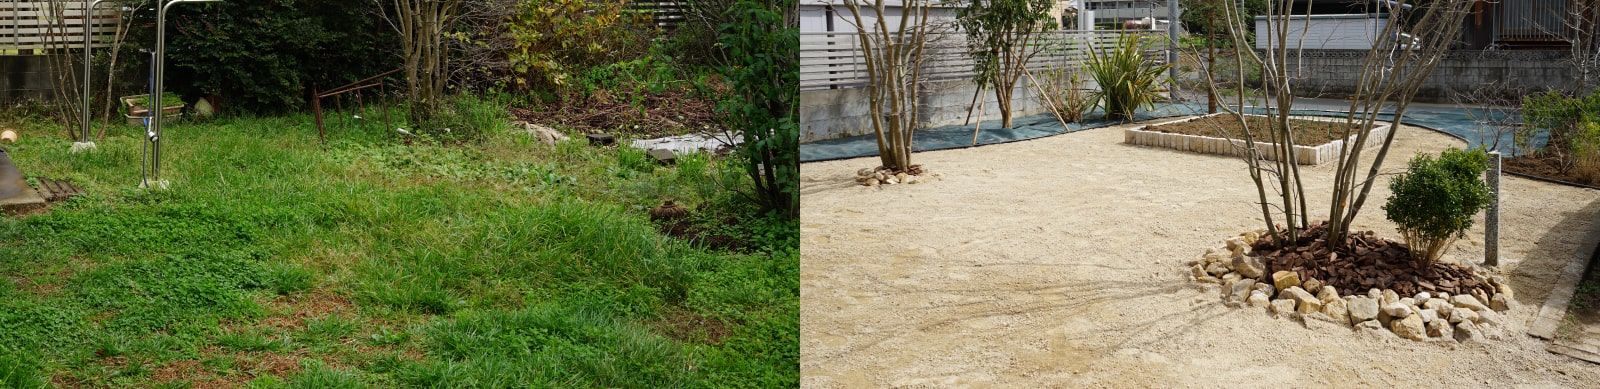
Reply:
x=1304, y=155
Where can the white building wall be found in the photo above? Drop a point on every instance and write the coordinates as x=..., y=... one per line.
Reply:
x=1326, y=32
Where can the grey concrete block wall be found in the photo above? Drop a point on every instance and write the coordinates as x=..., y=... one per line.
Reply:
x=837, y=113
x=25, y=77
x=1334, y=73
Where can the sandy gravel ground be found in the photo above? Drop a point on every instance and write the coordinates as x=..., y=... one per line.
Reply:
x=1058, y=262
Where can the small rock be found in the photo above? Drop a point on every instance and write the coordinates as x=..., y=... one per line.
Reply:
x=1217, y=269
x=871, y=182
x=1397, y=310
x=1198, y=272
x=1483, y=299
x=1311, y=285
x=1282, y=307
x=1307, y=302
x=864, y=172
x=1428, y=315
x=1408, y=301
x=1258, y=299
x=900, y=177
x=1237, y=248
x=1215, y=256
x=1501, y=287
x=1362, y=308
x=1438, y=328
x=1436, y=303
x=1327, y=293
x=1337, y=310
x=1250, y=237
x=1389, y=297
x=1468, y=302
x=1488, y=319
x=1241, y=290
x=1208, y=279
x=1422, y=296
x=1248, y=266
x=1231, y=276
x=1467, y=332
x=891, y=181
x=1266, y=288
x=1459, y=314
x=1500, y=302
x=1285, y=279
x=1412, y=327
x=1373, y=328
x=1375, y=294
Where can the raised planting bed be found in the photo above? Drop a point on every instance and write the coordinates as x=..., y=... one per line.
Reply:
x=1315, y=138
x=137, y=110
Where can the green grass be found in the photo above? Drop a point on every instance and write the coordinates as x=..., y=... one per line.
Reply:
x=487, y=262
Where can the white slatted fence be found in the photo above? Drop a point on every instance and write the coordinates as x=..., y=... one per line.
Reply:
x=833, y=60
x=29, y=26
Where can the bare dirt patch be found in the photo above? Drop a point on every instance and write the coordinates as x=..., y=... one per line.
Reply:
x=1548, y=167
x=686, y=326
x=1059, y=262
x=1306, y=132
x=291, y=311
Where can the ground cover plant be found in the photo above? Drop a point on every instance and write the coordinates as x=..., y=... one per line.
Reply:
x=377, y=262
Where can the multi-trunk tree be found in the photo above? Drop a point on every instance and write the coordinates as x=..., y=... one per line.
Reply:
x=1002, y=36
x=1416, y=35
x=893, y=45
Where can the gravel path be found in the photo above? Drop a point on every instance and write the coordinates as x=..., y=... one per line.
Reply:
x=1058, y=262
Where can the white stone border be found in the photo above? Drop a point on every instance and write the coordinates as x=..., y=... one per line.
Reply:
x=1304, y=155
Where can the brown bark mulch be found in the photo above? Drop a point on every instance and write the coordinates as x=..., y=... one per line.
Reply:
x=1306, y=132
x=1366, y=263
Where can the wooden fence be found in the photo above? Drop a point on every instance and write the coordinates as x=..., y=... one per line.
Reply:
x=833, y=60
x=37, y=27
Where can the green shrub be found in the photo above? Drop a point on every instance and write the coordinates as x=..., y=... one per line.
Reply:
x=1433, y=203
x=1063, y=91
x=1127, y=81
x=765, y=104
x=1562, y=119
x=556, y=40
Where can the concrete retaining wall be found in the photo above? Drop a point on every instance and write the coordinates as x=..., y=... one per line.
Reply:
x=837, y=113
x=25, y=77
x=1334, y=73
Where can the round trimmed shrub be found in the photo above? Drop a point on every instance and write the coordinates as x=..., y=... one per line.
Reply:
x=1433, y=203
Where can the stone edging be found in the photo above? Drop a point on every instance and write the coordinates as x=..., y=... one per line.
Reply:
x=1303, y=155
x=1473, y=317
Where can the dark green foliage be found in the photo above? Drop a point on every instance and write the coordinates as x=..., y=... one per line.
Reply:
x=998, y=31
x=1559, y=117
x=1208, y=19
x=765, y=106
x=1435, y=200
x=266, y=56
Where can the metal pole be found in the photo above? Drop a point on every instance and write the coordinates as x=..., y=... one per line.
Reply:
x=1491, y=217
x=84, y=143
x=156, y=106
x=1172, y=37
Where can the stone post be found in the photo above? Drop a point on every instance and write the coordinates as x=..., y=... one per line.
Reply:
x=1491, y=218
